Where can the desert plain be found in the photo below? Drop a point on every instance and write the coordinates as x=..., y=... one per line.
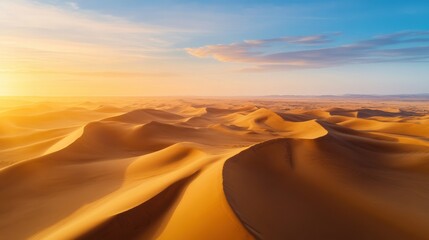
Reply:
x=214, y=168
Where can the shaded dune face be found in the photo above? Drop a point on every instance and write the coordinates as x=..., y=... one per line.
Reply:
x=213, y=169
x=368, y=113
x=345, y=185
x=146, y=116
x=139, y=222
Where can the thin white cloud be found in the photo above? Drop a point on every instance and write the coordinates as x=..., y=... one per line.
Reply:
x=37, y=35
x=35, y=15
x=73, y=5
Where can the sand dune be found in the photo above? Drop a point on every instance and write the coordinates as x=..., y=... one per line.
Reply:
x=322, y=188
x=154, y=168
x=145, y=116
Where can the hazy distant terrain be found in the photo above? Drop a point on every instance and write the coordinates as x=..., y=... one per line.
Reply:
x=423, y=96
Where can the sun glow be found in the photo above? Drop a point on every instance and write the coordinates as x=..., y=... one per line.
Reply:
x=6, y=85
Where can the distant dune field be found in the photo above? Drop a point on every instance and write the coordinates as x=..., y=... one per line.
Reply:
x=214, y=168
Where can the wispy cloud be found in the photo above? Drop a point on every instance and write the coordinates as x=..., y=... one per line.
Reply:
x=302, y=40
x=73, y=5
x=42, y=36
x=409, y=46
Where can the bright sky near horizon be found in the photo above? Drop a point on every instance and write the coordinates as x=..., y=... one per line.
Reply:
x=146, y=48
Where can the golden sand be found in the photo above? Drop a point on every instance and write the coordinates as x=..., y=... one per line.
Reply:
x=194, y=168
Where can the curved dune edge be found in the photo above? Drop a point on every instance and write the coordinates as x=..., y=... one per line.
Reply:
x=155, y=199
x=203, y=212
x=329, y=188
x=140, y=221
x=65, y=142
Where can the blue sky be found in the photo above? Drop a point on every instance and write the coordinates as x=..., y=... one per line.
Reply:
x=224, y=47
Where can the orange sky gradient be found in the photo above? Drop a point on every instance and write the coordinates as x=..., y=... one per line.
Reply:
x=51, y=49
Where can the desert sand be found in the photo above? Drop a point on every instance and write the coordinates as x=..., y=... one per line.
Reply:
x=213, y=168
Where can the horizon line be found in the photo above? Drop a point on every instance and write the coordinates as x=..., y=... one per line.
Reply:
x=426, y=94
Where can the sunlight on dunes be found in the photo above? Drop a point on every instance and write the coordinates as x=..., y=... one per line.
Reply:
x=160, y=168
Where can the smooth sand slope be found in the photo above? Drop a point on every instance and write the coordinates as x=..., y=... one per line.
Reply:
x=159, y=168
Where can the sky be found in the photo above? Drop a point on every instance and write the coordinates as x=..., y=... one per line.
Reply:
x=213, y=48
